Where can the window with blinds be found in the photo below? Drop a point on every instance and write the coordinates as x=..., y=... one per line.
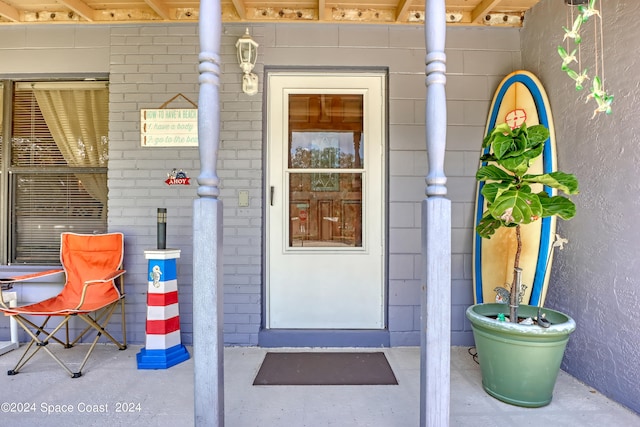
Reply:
x=58, y=166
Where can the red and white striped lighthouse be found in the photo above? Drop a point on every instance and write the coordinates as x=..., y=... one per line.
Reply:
x=163, y=345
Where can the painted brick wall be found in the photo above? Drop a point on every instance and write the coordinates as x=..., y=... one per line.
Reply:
x=43, y=50
x=477, y=60
x=149, y=65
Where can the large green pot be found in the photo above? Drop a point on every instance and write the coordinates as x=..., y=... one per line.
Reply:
x=519, y=364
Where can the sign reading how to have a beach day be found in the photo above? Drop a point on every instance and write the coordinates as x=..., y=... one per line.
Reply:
x=169, y=127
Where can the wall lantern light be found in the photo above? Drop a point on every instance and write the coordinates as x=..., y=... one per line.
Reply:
x=247, y=55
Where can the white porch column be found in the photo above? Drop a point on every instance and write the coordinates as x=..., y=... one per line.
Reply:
x=435, y=351
x=208, y=347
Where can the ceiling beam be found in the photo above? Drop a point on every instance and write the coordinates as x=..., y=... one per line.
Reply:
x=9, y=12
x=240, y=8
x=483, y=9
x=322, y=13
x=159, y=7
x=80, y=8
x=402, y=10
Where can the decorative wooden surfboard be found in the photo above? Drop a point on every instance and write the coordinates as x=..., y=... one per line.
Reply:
x=519, y=97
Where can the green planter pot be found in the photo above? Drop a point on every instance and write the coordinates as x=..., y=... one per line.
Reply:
x=519, y=364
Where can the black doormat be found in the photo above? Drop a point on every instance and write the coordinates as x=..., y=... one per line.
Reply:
x=325, y=368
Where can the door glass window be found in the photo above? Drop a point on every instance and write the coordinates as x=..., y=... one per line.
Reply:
x=325, y=170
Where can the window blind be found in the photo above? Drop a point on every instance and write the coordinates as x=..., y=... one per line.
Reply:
x=32, y=143
x=47, y=204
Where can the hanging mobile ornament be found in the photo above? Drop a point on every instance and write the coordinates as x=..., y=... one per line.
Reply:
x=573, y=39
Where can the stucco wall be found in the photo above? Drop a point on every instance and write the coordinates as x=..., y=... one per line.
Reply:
x=148, y=65
x=596, y=278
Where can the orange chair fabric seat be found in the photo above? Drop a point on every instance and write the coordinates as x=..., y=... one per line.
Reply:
x=83, y=257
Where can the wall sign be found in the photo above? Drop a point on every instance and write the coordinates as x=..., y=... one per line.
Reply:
x=169, y=127
x=176, y=177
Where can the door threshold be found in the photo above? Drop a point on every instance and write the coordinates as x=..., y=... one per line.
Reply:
x=323, y=338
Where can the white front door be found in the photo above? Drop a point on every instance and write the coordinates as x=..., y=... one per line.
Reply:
x=325, y=195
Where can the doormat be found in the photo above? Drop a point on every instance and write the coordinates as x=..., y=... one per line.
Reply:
x=325, y=368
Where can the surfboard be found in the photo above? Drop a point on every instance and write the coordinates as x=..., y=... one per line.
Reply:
x=519, y=98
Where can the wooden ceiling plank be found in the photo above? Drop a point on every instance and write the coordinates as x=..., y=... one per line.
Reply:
x=241, y=9
x=9, y=12
x=483, y=9
x=459, y=12
x=80, y=8
x=159, y=7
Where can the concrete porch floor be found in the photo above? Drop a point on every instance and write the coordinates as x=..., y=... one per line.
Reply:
x=121, y=394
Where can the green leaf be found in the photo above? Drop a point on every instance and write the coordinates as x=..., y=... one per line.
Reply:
x=489, y=157
x=488, y=226
x=493, y=190
x=518, y=165
x=560, y=180
x=492, y=173
x=537, y=134
x=517, y=147
x=516, y=206
x=533, y=153
x=502, y=145
x=501, y=129
x=556, y=205
x=496, y=132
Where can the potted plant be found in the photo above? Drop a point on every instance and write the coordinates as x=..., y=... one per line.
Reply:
x=519, y=362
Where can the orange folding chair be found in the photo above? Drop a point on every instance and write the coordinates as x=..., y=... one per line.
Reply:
x=94, y=287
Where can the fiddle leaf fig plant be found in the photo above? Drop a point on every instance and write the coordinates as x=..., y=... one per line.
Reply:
x=511, y=201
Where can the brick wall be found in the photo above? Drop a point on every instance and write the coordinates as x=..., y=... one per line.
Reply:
x=477, y=60
x=148, y=65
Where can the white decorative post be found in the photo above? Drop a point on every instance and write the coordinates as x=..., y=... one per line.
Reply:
x=208, y=347
x=435, y=351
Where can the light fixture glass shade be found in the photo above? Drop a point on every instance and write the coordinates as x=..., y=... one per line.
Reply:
x=247, y=52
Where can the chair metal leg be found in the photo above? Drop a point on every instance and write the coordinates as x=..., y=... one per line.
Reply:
x=40, y=344
x=99, y=317
x=41, y=337
x=20, y=362
x=67, y=345
x=124, y=323
x=40, y=329
x=100, y=328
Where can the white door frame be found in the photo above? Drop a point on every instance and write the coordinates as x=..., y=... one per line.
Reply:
x=375, y=111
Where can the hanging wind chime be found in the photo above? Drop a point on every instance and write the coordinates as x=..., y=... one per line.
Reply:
x=572, y=52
